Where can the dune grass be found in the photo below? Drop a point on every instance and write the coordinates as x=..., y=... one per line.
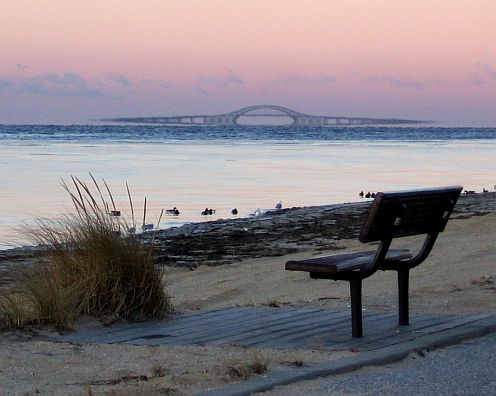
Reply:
x=91, y=263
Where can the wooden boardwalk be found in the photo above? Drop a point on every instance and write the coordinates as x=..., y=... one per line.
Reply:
x=275, y=328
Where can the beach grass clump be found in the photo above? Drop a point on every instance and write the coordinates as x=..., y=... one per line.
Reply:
x=91, y=263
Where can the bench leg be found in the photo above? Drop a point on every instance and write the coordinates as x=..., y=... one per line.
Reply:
x=356, y=308
x=403, y=280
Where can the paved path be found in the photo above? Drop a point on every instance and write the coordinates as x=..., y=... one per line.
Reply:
x=465, y=369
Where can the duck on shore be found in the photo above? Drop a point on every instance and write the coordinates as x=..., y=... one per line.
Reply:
x=207, y=211
x=234, y=211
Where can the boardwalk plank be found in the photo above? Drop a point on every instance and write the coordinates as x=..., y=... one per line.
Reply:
x=134, y=327
x=174, y=324
x=436, y=325
x=216, y=328
x=243, y=328
x=275, y=328
x=297, y=328
x=307, y=334
x=337, y=333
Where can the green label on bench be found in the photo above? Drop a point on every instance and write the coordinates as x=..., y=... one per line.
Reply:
x=397, y=221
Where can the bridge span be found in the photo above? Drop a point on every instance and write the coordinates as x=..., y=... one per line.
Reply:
x=231, y=119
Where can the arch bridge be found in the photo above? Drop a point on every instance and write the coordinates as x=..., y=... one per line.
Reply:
x=231, y=119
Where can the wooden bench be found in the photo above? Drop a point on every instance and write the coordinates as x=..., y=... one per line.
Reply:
x=392, y=215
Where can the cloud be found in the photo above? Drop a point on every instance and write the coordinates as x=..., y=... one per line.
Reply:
x=119, y=80
x=223, y=80
x=161, y=84
x=21, y=67
x=396, y=82
x=67, y=84
x=304, y=80
x=487, y=70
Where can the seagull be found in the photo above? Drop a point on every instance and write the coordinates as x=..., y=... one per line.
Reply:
x=257, y=212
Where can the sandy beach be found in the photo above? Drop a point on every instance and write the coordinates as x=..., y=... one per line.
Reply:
x=458, y=277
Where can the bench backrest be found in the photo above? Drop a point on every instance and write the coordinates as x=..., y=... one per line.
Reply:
x=407, y=213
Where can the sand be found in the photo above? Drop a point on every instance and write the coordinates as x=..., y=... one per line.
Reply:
x=458, y=277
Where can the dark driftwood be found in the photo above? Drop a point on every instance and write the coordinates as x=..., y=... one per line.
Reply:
x=392, y=215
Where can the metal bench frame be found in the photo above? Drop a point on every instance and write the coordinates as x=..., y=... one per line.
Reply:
x=392, y=215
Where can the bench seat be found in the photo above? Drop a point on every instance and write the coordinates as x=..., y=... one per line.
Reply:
x=332, y=265
x=391, y=215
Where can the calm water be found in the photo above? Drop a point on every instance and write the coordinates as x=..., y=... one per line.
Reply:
x=222, y=168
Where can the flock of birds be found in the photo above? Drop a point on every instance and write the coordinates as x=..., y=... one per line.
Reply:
x=372, y=195
x=367, y=195
x=209, y=211
x=175, y=212
x=484, y=190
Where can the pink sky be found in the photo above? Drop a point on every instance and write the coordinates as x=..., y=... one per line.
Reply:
x=70, y=61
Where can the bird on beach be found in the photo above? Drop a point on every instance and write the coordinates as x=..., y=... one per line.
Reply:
x=372, y=195
x=205, y=212
x=256, y=213
x=174, y=211
x=234, y=211
x=484, y=190
x=367, y=195
x=279, y=205
x=361, y=194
